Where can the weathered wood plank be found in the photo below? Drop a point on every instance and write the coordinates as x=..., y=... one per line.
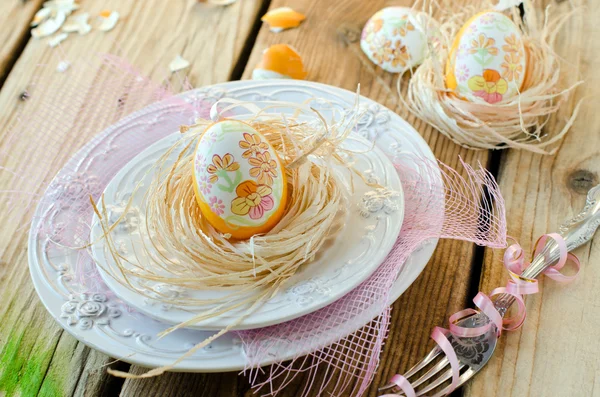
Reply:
x=178, y=384
x=36, y=355
x=16, y=16
x=328, y=42
x=556, y=351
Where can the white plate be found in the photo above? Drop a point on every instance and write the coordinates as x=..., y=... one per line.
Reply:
x=341, y=265
x=101, y=320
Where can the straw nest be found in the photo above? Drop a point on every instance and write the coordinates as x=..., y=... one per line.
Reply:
x=515, y=122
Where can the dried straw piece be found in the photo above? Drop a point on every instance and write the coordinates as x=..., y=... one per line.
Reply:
x=515, y=122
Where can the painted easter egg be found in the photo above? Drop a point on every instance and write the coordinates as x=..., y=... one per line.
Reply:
x=487, y=59
x=395, y=38
x=239, y=181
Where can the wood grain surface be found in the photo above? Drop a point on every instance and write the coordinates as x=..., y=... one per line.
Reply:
x=555, y=353
x=223, y=43
x=15, y=17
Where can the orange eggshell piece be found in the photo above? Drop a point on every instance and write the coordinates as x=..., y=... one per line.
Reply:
x=283, y=18
x=284, y=60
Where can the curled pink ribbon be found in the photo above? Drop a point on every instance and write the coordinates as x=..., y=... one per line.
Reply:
x=403, y=384
x=517, y=286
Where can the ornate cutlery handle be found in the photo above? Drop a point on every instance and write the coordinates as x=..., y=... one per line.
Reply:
x=576, y=232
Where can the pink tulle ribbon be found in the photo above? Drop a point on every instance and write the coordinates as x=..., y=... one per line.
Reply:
x=517, y=287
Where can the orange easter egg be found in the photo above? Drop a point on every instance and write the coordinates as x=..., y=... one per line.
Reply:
x=487, y=61
x=239, y=181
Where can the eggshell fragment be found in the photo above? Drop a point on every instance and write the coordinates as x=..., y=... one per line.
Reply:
x=41, y=16
x=109, y=20
x=66, y=6
x=57, y=39
x=262, y=74
x=49, y=26
x=77, y=23
x=179, y=63
x=50, y=9
x=283, y=18
x=280, y=61
x=63, y=66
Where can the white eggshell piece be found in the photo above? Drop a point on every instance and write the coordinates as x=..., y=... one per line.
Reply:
x=66, y=6
x=178, y=63
x=63, y=66
x=238, y=175
x=77, y=23
x=57, y=39
x=41, y=16
x=396, y=38
x=109, y=22
x=487, y=59
x=263, y=74
x=49, y=26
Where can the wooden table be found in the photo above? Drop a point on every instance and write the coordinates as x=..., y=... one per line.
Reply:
x=555, y=353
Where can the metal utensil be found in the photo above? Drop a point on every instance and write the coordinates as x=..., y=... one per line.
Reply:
x=474, y=353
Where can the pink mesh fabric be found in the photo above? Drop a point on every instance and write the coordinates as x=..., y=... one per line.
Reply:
x=66, y=114
x=437, y=205
x=59, y=117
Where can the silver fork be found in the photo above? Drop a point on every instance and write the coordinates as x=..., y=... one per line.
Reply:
x=473, y=353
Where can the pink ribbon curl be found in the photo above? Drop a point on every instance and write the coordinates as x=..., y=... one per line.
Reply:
x=517, y=286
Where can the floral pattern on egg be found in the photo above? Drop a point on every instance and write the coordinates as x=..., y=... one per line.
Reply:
x=392, y=40
x=239, y=180
x=487, y=59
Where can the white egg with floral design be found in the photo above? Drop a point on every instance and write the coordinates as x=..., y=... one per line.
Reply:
x=396, y=38
x=239, y=181
x=487, y=61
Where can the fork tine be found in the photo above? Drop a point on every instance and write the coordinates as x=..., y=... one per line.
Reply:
x=432, y=371
x=416, y=368
x=423, y=363
x=441, y=379
x=468, y=374
x=386, y=387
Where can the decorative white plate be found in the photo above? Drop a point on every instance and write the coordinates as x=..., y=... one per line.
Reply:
x=341, y=265
x=101, y=320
